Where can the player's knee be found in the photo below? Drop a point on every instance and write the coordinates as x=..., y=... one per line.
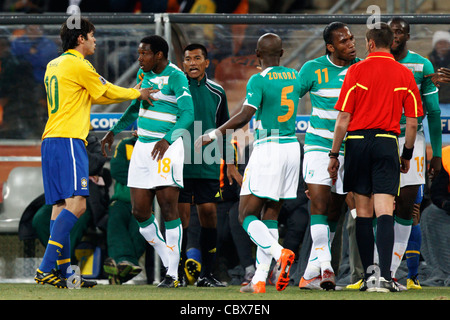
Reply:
x=169, y=210
x=139, y=214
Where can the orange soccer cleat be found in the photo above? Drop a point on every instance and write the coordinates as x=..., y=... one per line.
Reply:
x=282, y=268
x=259, y=287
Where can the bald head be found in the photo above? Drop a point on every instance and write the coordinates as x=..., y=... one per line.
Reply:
x=269, y=45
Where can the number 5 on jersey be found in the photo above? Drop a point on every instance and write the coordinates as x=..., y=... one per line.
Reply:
x=287, y=102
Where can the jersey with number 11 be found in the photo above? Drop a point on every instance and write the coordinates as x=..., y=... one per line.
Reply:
x=323, y=80
x=274, y=93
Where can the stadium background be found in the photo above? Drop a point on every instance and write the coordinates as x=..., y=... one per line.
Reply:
x=231, y=39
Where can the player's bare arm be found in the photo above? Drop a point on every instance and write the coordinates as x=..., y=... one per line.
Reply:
x=342, y=121
x=410, y=138
x=441, y=76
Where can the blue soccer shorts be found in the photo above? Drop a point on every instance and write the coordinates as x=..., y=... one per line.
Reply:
x=65, y=169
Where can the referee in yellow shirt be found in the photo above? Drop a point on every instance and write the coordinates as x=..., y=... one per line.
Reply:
x=72, y=85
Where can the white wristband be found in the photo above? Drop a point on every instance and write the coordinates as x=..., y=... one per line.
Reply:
x=212, y=135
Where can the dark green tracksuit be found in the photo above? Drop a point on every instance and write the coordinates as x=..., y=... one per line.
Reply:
x=210, y=112
x=211, y=109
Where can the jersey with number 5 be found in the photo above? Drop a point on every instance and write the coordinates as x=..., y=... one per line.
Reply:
x=323, y=80
x=274, y=93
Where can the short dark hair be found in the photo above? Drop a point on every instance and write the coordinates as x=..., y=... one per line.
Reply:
x=69, y=36
x=400, y=21
x=381, y=34
x=157, y=44
x=195, y=46
x=328, y=33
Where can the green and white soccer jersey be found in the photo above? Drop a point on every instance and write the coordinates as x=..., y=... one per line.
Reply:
x=159, y=121
x=323, y=80
x=274, y=93
x=420, y=67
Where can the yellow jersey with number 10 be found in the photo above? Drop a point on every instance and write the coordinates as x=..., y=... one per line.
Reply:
x=72, y=85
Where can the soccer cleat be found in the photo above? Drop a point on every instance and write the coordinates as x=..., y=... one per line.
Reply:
x=169, y=282
x=81, y=282
x=259, y=287
x=209, y=281
x=413, y=283
x=182, y=279
x=399, y=285
x=127, y=271
x=363, y=286
x=387, y=286
x=248, y=277
x=88, y=283
x=356, y=285
x=311, y=284
x=110, y=268
x=53, y=278
x=192, y=269
x=375, y=284
x=282, y=268
x=328, y=281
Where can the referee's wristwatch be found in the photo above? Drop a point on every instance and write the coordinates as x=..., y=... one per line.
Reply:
x=333, y=154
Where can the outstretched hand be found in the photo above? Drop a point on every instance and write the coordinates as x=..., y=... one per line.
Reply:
x=108, y=139
x=146, y=93
x=201, y=141
x=442, y=75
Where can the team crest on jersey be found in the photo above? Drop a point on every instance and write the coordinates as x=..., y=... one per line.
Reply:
x=160, y=81
x=84, y=183
x=310, y=173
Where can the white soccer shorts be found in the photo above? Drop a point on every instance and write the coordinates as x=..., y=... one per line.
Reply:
x=273, y=171
x=146, y=173
x=315, y=171
x=416, y=172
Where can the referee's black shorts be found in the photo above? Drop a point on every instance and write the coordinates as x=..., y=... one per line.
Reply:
x=198, y=191
x=372, y=162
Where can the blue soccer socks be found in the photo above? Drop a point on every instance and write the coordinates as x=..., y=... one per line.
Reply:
x=60, y=232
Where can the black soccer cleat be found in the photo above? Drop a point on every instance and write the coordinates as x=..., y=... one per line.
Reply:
x=53, y=278
x=169, y=282
x=82, y=282
x=209, y=281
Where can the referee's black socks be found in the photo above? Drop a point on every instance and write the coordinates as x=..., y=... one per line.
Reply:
x=366, y=241
x=385, y=243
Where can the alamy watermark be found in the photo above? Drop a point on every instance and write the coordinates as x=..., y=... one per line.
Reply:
x=74, y=281
x=74, y=20
x=222, y=147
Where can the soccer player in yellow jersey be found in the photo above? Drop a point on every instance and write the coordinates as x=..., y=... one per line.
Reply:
x=72, y=85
